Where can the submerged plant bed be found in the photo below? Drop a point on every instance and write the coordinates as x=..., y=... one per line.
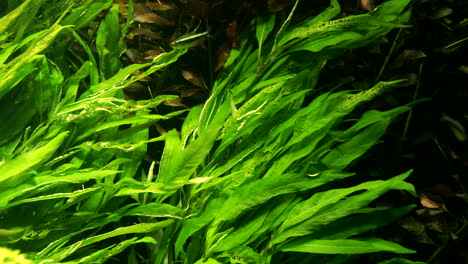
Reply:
x=259, y=173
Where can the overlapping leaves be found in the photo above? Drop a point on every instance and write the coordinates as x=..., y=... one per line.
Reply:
x=252, y=177
x=67, y=155
x=276, y=155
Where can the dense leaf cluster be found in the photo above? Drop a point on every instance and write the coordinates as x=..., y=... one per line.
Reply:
x=251, y=177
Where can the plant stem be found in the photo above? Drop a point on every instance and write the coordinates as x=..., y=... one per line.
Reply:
x=388, y=56
x=410, y=113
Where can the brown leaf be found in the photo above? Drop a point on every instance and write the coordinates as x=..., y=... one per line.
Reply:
x=231, y=33
x=160, y=129
x=160, y=6
x=188, y=92
x=147, y=32
x=151, y=18
x=222, y=54
x=135, y=55
x=183, y=90
x=367, y=5
x=135, y=87
x=123, y=7
x=144, y=79
x=175, y=102
x=151, y=54
x=430, y=201
x=410, y=79
x=407, y=55
x=143, y=14
x=417, y=229
x=193, y=78
x=437, y=220
x=173, y=88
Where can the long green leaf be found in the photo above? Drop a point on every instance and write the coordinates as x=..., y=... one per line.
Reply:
x=11, y=73
x=348, y=246
x=103, y=255
x=29, y=159
x=264, y=26
x=325, y=207
x=134, y=229
x=107, y=43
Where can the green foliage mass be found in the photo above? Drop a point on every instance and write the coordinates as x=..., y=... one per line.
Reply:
x=250, y=178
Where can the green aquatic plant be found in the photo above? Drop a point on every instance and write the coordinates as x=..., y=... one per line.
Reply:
x=257, y=174
x=71, y=145
x=263, y=158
